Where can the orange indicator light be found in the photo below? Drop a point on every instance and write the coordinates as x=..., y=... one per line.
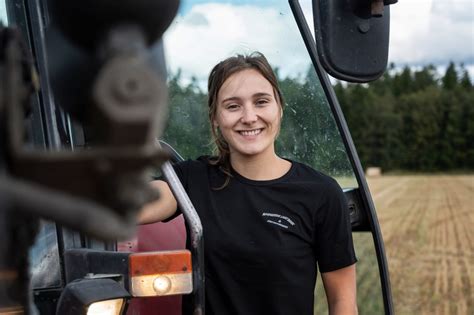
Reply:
x=160, y=273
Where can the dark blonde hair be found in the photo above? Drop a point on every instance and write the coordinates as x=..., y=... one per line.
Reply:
x=219, y=74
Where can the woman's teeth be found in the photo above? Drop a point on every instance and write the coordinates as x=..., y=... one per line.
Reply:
x=250, y=132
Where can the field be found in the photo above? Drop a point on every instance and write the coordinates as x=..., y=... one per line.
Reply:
x=427, y=224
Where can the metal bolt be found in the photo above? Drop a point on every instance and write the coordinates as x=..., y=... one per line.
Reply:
x=364, y=26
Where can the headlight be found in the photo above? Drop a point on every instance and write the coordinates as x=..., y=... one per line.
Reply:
x=108, y=307
x=92, y=297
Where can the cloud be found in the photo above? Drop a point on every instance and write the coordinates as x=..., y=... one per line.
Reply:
x=422, y=32
x=208, y=33
x=432, y=31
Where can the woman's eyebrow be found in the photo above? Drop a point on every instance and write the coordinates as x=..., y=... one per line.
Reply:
x=256, y=95
x=262, y=94
x=232, y=98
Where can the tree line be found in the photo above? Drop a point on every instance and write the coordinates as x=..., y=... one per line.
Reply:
x=413, y=120
x=408, y=120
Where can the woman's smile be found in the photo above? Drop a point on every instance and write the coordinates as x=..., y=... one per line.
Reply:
x=252, y=133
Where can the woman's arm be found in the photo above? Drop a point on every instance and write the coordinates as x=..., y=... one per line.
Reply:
x=161, y=209
x=340, y=287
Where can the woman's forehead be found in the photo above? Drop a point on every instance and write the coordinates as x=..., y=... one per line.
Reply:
x=245, y=83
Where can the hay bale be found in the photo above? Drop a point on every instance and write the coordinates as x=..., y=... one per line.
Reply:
x=373, y=171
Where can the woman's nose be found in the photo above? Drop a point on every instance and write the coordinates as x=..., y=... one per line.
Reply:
x=249, y=115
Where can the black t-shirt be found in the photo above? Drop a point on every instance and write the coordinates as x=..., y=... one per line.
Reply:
x=262, y=239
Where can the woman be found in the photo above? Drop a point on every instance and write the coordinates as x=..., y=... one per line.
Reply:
x=267, y=221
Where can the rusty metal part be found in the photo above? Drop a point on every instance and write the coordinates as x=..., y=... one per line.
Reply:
x=114, y=172
x=18, y=310
x=77, y=213
x=377, y=8
x=129, y=98
x=113, y=178
x=8, y=274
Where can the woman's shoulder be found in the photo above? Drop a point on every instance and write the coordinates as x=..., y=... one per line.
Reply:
x=314, y=180
x=202, y=162
x=304, y=171
x=317, y=183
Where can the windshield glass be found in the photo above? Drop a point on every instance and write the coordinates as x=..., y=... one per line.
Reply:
x=44, y=258
x=205, y=33
x=3, y=13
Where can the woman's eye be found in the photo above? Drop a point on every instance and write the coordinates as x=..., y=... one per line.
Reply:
x=262, y=101
x=232, y=106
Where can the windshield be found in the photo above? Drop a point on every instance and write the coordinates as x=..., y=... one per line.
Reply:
x=205, y=33
x=44, y=258
x=3, y=13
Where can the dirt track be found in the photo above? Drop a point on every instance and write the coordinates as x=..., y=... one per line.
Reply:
x=428, y=228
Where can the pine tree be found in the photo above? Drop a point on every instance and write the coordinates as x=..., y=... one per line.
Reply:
x=450, y=78
x=465, y=79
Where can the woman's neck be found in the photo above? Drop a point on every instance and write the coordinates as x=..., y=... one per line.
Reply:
x=260, y=167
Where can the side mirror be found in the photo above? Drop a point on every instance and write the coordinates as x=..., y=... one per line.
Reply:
x=352, y=37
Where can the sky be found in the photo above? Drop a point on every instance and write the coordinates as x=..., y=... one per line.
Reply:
x=205, y=31
x=422, y=32
x=432, y=31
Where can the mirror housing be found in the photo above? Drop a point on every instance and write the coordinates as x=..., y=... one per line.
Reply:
x=352, y=37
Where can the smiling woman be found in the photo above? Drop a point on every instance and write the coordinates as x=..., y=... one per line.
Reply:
x=306, y=133
x=269, y=222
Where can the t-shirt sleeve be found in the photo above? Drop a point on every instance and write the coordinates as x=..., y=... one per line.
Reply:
x=334, y=245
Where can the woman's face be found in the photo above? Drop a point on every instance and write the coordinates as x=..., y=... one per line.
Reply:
x=248, y=114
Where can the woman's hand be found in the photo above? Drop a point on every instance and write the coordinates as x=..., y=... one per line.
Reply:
x=161, y=209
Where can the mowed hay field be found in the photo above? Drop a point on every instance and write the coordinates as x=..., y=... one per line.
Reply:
x=427, y=224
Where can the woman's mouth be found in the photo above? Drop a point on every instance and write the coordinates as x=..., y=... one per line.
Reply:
x=253, y=132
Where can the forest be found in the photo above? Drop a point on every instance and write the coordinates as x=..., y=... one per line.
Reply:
x=407, y=120
x=413, y=120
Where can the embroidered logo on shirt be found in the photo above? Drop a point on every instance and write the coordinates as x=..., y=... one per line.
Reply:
x=278, y=219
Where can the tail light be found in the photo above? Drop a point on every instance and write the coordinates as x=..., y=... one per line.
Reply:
x=160, y=273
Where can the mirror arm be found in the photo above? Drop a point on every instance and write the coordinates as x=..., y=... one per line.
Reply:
x=376, y=8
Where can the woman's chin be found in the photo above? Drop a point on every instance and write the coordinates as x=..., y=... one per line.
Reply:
x=250, y=151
